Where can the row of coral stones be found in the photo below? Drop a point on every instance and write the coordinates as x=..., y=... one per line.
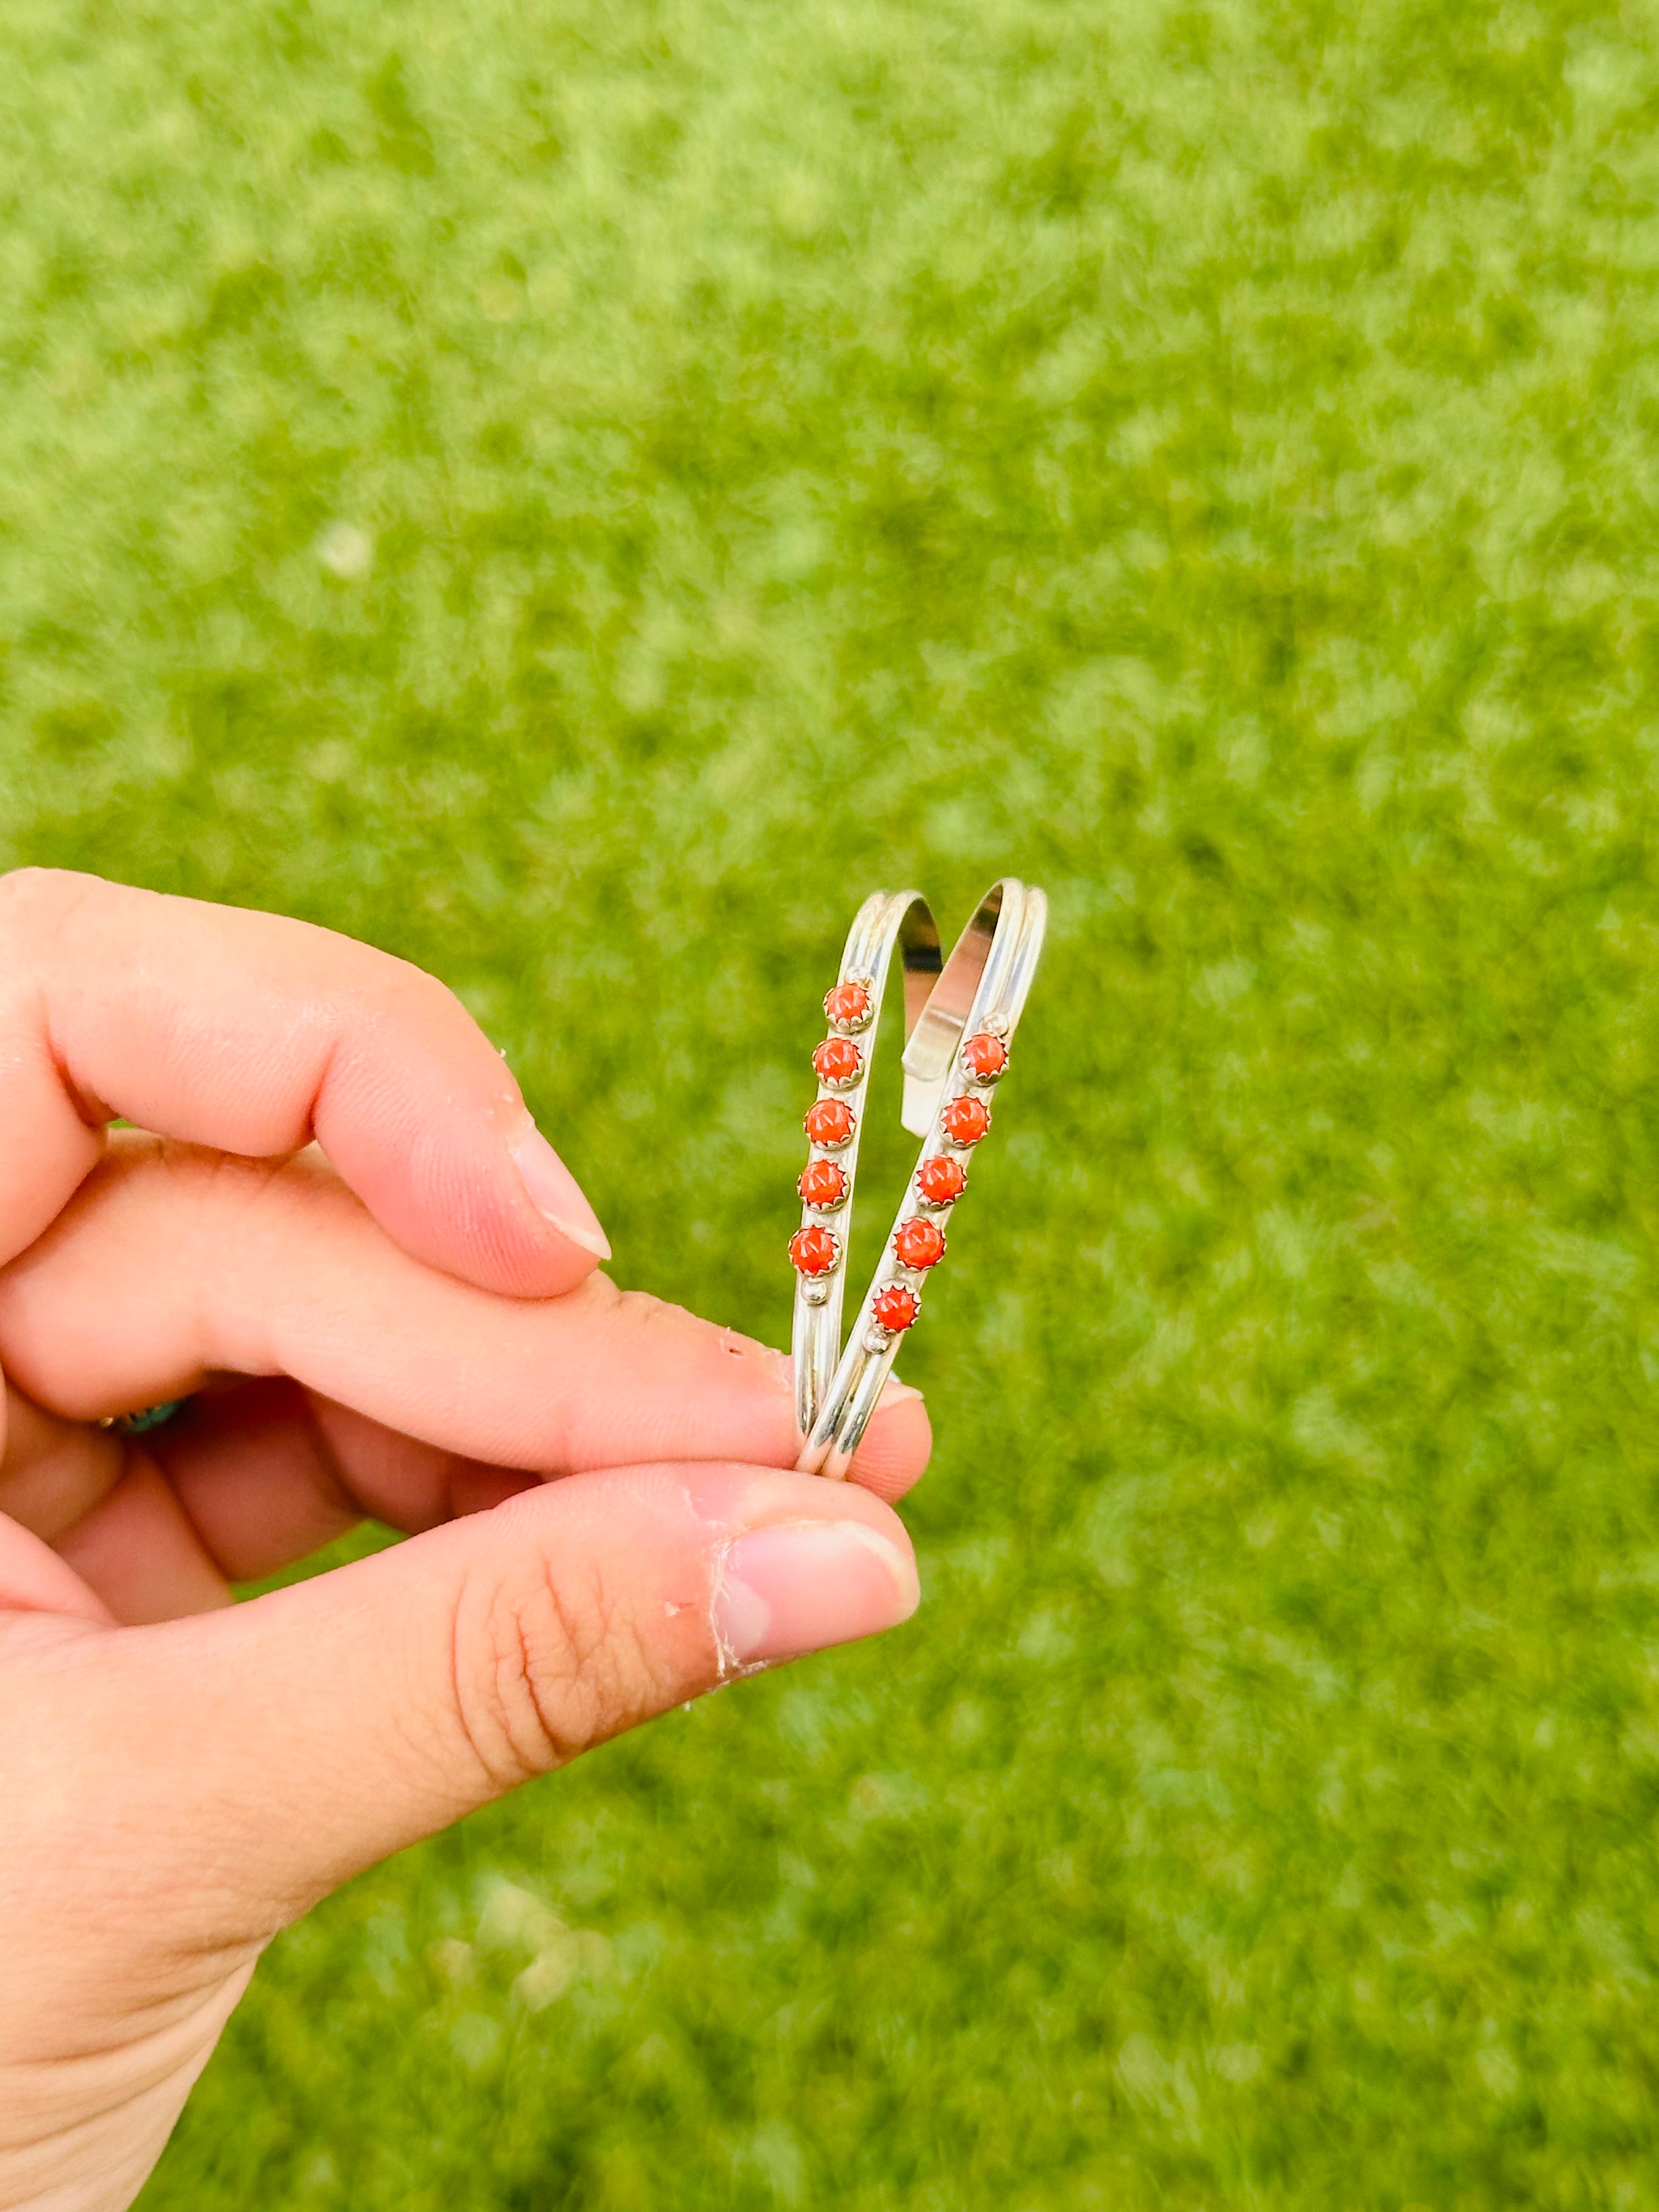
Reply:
x=838, y=1063
x=918, y=1243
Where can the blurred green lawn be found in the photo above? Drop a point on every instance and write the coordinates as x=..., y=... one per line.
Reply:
x=579, y=494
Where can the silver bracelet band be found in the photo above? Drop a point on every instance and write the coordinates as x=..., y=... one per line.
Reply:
x=957, y=1037
x=833, y=1122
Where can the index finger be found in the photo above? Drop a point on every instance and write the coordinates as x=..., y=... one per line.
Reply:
x=255, y=1035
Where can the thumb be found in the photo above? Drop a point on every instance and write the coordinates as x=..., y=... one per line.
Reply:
x=324, y=1726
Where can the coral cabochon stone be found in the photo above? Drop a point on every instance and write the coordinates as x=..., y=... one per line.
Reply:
x=896, y=1308
x=846, y=1005
x=985, y=1056
x=966, y=1119
x=822, y=1183
x=814, y=1251
x=941, y=1180
x=829, y=1122
x=919, y=1245
x=837, y=1060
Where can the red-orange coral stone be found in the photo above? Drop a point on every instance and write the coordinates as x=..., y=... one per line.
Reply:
x=985, y=1056
x=919, y=1244
x=814, y=1251
x=837, y=1060
x=966, y=1119
x=829, y=1122
x=824, y=1183
x=896, y=1308
x=941, y=1180
x=846, y=1005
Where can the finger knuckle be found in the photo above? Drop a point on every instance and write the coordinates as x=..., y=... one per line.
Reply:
x=543, y=1669
x=413, y=993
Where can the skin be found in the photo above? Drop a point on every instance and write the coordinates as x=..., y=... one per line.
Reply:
x=325, y=1231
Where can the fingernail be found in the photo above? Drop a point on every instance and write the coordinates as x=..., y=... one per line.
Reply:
x=556, y=1194
x=802, y=1586
x=894, y=1393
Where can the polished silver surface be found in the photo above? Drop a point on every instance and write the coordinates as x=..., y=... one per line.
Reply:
x=982, y=988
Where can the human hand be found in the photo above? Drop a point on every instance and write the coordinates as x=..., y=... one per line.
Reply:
x=346, y=1234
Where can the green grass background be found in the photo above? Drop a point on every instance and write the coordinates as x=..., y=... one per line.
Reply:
x=578, y=493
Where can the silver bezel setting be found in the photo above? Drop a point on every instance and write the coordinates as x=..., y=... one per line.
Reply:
x=976, y=1080
x=830, y=1146
x=933, y=1207
x=860, y=1022
x=837, y=1084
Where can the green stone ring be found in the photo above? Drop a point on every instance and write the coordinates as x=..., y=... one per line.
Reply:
x=147, y=1418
